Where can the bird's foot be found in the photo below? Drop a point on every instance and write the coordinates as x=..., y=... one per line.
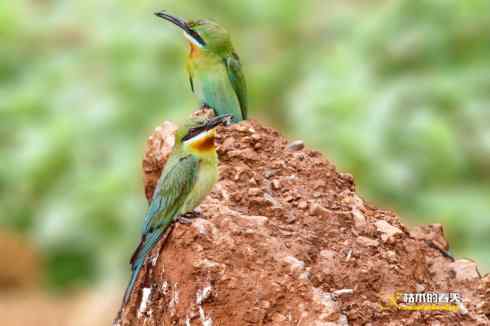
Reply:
x=183, y=220
x=443, y=252
x=187, y=218
x=196, y=213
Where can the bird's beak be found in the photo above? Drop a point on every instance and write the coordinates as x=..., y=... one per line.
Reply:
x=224, y=119
x=208, y=126
x=181, y=23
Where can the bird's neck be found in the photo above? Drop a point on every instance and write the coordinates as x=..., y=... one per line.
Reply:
x=203, y=55
x=194, y=50
x=204, y=149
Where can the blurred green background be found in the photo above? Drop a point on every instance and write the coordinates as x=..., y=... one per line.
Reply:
x=395, y=92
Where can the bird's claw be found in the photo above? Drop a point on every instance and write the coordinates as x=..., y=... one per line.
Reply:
x=187, y=218
x=184, y=220
x=444, y=252
x=196, y=213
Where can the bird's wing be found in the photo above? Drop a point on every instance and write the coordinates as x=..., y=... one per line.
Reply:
x=191, y=81
x=174, y=186
x=237, y=79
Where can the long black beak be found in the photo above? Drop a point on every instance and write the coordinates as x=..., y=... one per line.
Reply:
x=181, y=23
x=224, y=119
x=212, y=123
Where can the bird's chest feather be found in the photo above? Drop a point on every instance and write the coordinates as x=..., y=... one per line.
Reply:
x=210, y=79
x=206, y=178
x=205, y=65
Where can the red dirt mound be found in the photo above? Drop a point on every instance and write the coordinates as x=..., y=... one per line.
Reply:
x=284, y=239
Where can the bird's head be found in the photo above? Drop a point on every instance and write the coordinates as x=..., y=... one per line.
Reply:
x=198, y=134
x=202, y=34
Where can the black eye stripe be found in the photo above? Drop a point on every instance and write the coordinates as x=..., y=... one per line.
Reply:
x=193, y=132
x=192, y=33
x=207, y=125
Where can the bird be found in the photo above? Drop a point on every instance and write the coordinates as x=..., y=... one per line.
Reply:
x=215, y=71
x=188, y=177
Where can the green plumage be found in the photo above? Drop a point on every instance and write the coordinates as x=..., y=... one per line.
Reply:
x=237, y=80
x=219, y=84
x=187, y=178
x=215, y=72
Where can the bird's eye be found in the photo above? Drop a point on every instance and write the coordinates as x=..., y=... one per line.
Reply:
x=196, y=23
x=193, y=132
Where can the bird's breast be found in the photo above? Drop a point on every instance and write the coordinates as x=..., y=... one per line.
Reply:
x=205, y=145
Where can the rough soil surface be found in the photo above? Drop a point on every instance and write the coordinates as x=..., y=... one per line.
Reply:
x=285, y=240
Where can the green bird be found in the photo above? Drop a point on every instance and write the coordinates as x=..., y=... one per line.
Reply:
x=189, y=175
x=215, y=72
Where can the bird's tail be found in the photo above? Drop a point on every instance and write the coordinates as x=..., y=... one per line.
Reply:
x=147, y=243
x=134, y=275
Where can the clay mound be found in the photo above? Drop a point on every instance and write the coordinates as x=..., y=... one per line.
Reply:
x=285, y=240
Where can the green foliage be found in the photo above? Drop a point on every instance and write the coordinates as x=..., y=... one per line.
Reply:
x=396, y=93
x=405, y=97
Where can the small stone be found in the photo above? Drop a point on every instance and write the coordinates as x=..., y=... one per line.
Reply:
x=269, y=173
x=433, y=233
x=319, y=184
x=318, y=210
x=278, y=164
x=300, y=156
x=291, y=219
x=303, y=204
x=250, y=154
x=228, y=144
x=328, y=254
x=239, y=170
x=274, y=203
x=296, y=145
x=340, y=292
x=234, y=153
x=367, y=242
x=465, y=270
x=387, y=230
x=342, y=321
x=359, y=219
x=236, y=196
x=266, y=304
x=241, y=128
x=276, y=184
x=347, y=177
x=391, y=256
x=254, y=191
x=278, y=318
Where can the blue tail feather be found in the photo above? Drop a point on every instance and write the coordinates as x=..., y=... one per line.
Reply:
x=132, y=282
x=148, y=241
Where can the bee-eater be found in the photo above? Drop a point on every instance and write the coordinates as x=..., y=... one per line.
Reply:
x=188, y=176
x=215, y=72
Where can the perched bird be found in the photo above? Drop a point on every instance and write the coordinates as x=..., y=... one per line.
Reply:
x=188, y=176
x=215, y=72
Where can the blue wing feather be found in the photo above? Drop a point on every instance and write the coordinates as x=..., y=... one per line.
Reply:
x=175, y=184
x=237, y=79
